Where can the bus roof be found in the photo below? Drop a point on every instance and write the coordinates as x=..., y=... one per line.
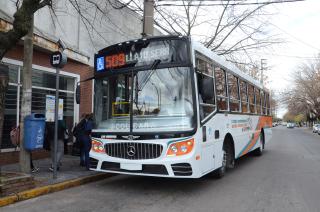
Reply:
x=228, y=66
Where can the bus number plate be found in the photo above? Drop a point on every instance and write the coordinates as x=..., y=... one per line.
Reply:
x=131, y=166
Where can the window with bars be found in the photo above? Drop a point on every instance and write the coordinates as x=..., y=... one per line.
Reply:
x=43, y=84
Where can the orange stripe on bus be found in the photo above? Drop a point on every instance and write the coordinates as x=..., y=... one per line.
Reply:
x=264, y=121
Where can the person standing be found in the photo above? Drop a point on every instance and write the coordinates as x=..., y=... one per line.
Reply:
x=86, y=139
x=78, y=132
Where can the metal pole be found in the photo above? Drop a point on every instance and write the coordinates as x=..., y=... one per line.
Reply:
x=56, y=126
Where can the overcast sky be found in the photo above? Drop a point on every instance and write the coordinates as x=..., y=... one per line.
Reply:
x=299, y=24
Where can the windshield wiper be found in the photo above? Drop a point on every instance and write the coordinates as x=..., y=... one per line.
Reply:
x=155, y=64
x=153, y=67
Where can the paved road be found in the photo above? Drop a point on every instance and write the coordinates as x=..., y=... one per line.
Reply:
x=285, y=178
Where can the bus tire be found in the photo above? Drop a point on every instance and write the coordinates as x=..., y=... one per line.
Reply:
x=259, y=150
x=220, y=172
x=228, y=159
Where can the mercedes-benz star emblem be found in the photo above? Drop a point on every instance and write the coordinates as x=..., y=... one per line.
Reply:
x=131, y=151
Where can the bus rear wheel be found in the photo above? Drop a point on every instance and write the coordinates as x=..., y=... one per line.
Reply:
x=259, y=150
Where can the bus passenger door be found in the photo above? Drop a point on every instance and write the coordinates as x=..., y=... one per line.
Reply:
x=207, y=150
x=207, y=107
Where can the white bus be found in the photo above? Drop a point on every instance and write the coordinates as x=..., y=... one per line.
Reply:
x=169, y=107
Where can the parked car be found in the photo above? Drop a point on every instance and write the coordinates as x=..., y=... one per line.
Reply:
x=290, y=125
x=315, y=128
x=274, y=124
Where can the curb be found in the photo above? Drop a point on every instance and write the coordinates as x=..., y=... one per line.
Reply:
x=24, y=195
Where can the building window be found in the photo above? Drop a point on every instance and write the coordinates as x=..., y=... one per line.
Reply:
x=43, y=83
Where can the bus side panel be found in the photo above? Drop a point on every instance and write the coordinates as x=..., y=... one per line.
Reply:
x=266, y=124
x=242, y=128
x=211, y=148
x=267, y=129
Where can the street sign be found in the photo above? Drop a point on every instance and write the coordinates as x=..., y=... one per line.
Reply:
x=58, y=59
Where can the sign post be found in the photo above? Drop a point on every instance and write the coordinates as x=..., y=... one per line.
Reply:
x=58, y=60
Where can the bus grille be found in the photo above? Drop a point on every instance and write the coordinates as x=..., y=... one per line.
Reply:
x=134, y=151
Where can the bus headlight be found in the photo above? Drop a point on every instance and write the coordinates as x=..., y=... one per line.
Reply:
x=180, y=148
x=97, y=146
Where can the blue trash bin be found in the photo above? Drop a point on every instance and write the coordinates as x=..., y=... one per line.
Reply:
x=34, y=127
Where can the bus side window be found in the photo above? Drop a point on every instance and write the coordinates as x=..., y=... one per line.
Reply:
x=205, y=82
x=220, y=76
x=268, y=105
x=233, y=93
x=244, y=96
x=251, y=98
x=264, y=103
x=258, y=101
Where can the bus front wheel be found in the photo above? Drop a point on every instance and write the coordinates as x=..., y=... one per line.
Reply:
x=227, y=160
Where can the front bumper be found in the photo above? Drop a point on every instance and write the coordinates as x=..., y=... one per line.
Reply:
x=175, y=167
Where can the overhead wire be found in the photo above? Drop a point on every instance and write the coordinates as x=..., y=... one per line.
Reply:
x=220, y=3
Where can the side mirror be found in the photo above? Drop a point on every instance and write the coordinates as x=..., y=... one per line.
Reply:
x=78, y=93
x=206, y=88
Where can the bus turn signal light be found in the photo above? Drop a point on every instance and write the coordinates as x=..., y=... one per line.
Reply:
x=97, y=146
x=180, y=148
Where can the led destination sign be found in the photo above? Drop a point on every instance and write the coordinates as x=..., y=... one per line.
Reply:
x=133, y=55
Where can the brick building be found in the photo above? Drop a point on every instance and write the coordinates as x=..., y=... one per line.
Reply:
x=81, y=46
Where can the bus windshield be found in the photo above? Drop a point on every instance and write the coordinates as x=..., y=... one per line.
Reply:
x=160, y=100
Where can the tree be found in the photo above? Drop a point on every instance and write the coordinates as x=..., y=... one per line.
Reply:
x=4, y=78
x=233, y=29
x=22, y=22
x=228, y=27
x=303, y=97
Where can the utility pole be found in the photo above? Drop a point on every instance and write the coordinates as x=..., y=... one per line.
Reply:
x=148, y=18
x=26, y=96
x=263, y=66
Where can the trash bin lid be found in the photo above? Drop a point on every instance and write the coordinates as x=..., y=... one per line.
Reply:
x=35, y=116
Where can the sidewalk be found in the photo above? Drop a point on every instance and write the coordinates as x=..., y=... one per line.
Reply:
x=70, y=174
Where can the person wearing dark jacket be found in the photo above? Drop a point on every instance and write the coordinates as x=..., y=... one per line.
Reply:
x=86, y=139
x=77, y=132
